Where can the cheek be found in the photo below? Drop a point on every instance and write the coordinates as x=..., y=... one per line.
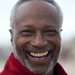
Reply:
x=21, y=41
x=19, y=44
x=57, y=48
x=57, y=44
x=55, y=40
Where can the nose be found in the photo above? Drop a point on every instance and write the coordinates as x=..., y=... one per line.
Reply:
x=39, y=41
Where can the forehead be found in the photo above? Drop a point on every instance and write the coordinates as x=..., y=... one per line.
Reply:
x=33, y=8
x=36, y=10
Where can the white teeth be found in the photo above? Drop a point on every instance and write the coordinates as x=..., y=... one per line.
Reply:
x=39, y=54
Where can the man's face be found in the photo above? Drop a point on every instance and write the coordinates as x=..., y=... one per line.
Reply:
x=36, y=37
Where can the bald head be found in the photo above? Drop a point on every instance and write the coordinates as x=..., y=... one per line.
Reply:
x=36, y=6
x=37, y=9
x=39, y=6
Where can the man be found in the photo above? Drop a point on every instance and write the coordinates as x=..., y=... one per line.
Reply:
x=35, y=37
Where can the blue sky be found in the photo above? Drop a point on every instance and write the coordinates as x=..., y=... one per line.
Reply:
x=67, y=6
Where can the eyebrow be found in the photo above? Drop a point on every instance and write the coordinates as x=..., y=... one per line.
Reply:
x=46, y=26
x=50, y=26
x=28, y=26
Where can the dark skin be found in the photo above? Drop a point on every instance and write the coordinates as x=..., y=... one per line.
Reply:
x=36, y=36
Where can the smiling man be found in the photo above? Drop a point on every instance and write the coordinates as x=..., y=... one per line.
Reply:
x=35, y=37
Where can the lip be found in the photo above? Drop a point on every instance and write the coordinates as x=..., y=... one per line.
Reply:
x=39, y=54
x=40, y=60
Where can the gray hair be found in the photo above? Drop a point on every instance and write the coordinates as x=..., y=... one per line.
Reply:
x=22, y=1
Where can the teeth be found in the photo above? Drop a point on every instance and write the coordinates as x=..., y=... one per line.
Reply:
x=39, y=54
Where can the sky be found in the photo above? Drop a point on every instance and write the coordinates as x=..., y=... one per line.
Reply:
x=68, y=9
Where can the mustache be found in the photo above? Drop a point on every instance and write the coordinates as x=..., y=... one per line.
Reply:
x=32, y=48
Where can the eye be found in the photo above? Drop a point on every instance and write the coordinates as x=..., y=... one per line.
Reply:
x=27, y=32
x=50, y=32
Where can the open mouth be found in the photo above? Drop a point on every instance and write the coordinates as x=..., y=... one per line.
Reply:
x=39, y=54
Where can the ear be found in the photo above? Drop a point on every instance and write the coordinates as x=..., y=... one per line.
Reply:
x=11, y=33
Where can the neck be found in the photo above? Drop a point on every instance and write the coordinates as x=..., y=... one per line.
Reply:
x=49, y=73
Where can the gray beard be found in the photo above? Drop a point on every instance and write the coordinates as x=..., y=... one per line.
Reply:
x=27, y=65
x=23, y=61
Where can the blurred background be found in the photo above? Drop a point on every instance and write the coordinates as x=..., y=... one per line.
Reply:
x=67, y=56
